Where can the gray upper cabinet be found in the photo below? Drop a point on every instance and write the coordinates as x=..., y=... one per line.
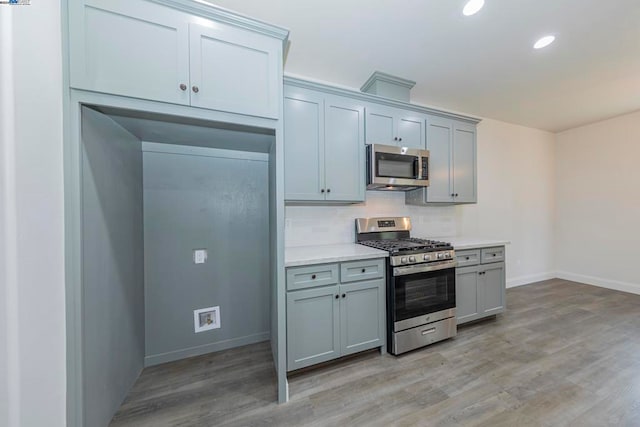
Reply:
x=142, y=49
x=395, y=126
x=234, y=70
x=452, y=164
x=464, y=160
x=323, y=147
x=303, y=145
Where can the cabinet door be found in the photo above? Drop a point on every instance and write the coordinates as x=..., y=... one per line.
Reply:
x=411, y=131
x=492, y=289
x=136, y=49
x=439, y=141
x=303, y=145
x=234, y=70
x=344, y=151
x=362, y=308
x=313, y=331
x=467, y=294
x=380, y=126
x=464, y=163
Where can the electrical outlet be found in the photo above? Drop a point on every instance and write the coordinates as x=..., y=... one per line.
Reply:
x=200, y=256
x=205, y=319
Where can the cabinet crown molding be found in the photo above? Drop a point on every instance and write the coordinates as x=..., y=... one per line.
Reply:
x=387, y=78
x=210, y=10
x=355, y=94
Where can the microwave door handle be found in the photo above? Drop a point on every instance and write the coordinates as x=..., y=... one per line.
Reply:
x=416, y=168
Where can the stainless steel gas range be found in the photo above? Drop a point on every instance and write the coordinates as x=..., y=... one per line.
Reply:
x=421, y=287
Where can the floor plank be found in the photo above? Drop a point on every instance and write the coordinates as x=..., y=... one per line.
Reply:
x=564, y=353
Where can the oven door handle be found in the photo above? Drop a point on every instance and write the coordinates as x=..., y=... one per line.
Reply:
x=423, y=268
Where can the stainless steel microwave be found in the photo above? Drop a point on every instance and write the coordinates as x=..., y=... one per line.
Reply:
x=396, y=168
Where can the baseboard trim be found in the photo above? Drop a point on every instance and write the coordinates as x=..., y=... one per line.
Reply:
x=172, y=356
x=633, y=288
x=529, y=279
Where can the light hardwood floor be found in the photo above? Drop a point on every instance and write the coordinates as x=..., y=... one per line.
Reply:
x=563, y=354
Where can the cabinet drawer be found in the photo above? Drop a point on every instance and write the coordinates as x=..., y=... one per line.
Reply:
x=467, y=258
x=361, y=270
x=312, y=276
x=492, y=255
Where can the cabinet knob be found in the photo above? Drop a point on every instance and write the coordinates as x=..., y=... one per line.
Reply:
x=183, y=87
x=195, y=89
x=313, y=276
x=344, y=295
x=364, y=271
x=395, y=139
x=399, y=139
x=328, y=190
x=322, y=191
x=456, y=194
x=494, y=254
x=467, y=258
x=453, y=194
x=337, y=296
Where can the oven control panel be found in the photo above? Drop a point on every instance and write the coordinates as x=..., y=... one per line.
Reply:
x=422, y=257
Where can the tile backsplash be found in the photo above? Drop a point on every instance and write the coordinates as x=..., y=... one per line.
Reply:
x=326, y=225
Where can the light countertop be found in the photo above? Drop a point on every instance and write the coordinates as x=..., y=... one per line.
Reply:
x=462, y=243
x=321, y=254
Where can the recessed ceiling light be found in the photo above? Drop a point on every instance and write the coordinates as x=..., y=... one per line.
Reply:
x=472, y=7
x=544, y=42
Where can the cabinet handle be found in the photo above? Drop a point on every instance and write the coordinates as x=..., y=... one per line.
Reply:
x=364, y=271
x=313, y=276
x=183, y=87
x=337, y=296
x=344, y=295
x=195, y=89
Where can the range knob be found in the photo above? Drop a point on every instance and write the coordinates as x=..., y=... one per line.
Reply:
x=403, y=260
x=441, y=255
x=426, y=257
x=412, y=259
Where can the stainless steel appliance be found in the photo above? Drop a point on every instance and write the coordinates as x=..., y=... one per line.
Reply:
x=396, y=168
x=421, y=283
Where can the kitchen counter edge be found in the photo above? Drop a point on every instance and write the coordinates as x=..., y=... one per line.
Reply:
x=322, y=254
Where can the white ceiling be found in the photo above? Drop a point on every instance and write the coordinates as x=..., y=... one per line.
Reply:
x=482, y=65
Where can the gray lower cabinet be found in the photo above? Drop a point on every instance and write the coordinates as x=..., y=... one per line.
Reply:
x=323, y=147
x=327, y=322
x=452, y=164
x=313, y=326
x=480, y=285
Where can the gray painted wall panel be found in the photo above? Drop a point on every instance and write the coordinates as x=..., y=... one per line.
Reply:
x=112, y=265
x=220, y=204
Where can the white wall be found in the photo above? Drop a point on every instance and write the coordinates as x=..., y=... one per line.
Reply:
x=598, y=203
x=516, y=194
x=515, y=202
x=32, y=346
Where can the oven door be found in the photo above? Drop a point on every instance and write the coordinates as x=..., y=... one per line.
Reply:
x=422, y=297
